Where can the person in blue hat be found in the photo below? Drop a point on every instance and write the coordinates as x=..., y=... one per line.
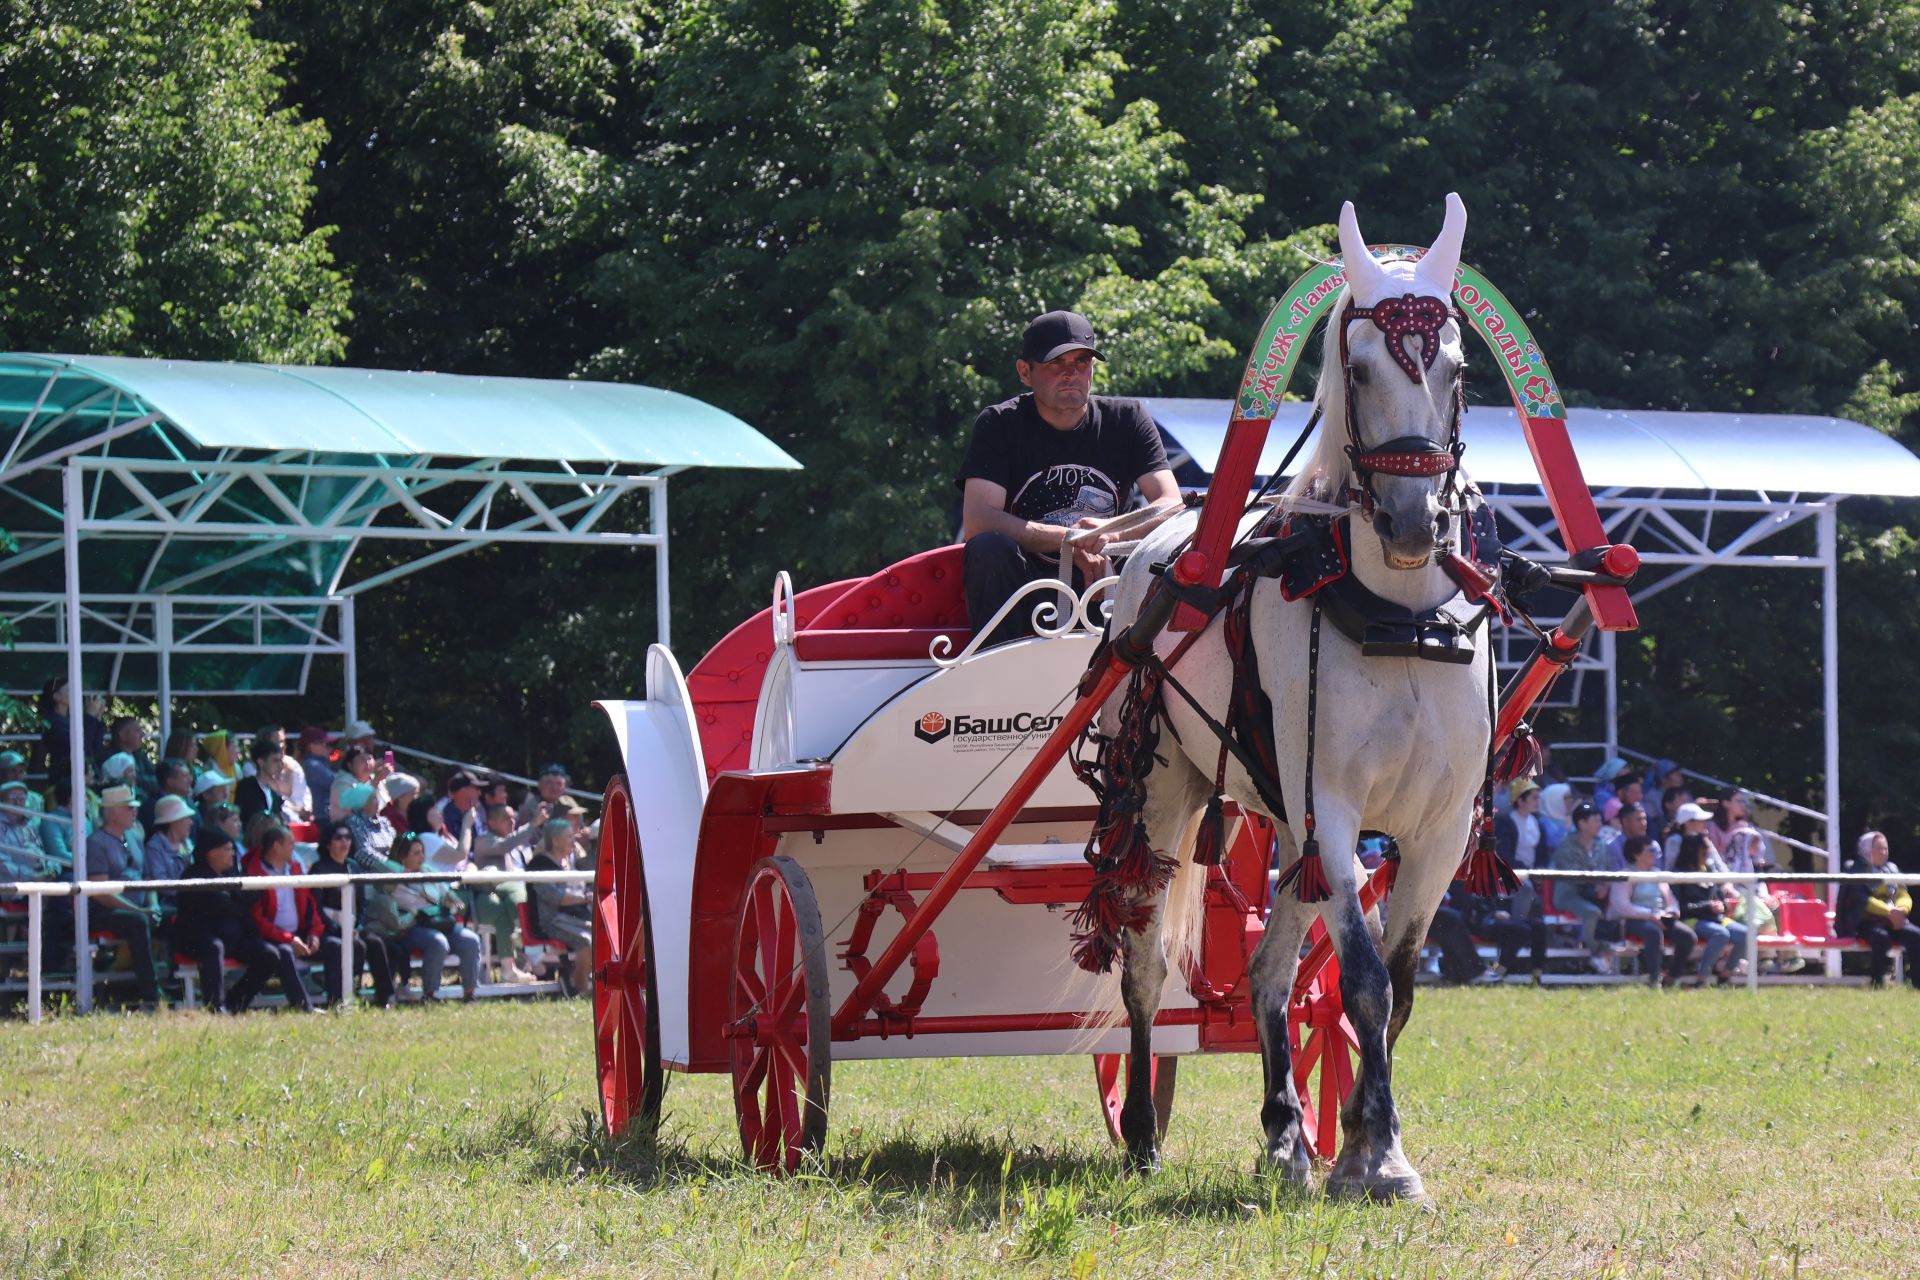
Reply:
x=1047, y=462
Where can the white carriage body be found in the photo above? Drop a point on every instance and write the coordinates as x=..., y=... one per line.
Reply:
x=908, y=739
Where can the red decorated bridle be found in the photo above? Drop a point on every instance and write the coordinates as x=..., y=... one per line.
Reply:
x=1399, y=319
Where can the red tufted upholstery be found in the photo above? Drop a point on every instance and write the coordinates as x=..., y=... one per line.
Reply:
x=725, y=684
x=924, y=590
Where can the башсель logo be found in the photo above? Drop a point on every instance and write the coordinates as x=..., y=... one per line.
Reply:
x=932, y=727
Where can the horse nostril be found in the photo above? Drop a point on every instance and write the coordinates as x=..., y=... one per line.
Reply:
x=1383, y=523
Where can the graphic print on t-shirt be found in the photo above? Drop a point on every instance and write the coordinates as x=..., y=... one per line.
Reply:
x=1066, y=494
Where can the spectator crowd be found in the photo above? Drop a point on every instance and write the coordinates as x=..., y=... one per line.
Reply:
x=1682, y=932
x=330, y=803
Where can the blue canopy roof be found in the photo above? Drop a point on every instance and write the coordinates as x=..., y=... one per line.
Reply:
x=385, y=413
x=1629, y=449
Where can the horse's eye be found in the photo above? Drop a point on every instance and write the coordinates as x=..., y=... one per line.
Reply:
x=1359, y=375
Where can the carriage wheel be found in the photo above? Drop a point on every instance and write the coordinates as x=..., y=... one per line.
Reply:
x=1110, y=1080
x=780, y=1019
x=1325, y=1052
x=626, y=999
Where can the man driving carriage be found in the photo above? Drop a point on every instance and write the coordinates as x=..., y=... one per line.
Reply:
x=1047, y=463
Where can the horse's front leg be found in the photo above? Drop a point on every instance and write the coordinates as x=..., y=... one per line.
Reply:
x=1371, y=1163
x=1174, y=791
x=1271, y=974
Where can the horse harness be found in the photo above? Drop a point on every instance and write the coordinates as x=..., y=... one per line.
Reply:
x=1400, y=318
x=1308, y=557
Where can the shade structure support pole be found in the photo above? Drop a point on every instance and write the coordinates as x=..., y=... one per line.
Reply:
x=1830, y=694
x=349, y=644
x=163, y=632
x=1610, y=654
x=76, y=732
x=657, y=511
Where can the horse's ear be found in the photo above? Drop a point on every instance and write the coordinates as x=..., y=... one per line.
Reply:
x=1364, y=276
x=1441, y=261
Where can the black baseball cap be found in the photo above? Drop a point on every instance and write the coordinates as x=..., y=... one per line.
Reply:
x=1054, y=334
x=1583, y=811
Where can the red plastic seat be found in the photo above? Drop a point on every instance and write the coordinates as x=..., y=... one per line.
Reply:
x=895, y=614
x=1809, y=921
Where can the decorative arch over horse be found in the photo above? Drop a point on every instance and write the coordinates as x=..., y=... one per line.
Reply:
x=1358, y=741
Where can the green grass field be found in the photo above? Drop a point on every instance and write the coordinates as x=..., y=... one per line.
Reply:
x=1561, y=1133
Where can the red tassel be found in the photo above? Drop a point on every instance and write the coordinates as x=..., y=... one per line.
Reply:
x=1485, y=873
x=1386, y=873
x=1210, y=845
x=1308, y=877
x=1520, y=758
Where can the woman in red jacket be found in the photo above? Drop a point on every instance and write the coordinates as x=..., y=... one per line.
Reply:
x=289, y=921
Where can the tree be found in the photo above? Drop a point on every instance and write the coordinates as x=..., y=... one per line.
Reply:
x=153, y=194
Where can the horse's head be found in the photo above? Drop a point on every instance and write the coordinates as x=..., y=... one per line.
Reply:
x=1399, y=344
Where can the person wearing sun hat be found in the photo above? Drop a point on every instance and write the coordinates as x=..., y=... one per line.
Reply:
x=169, y=848
x=1689, y=819
x=1516, y=833
x=108, y=857
x=1604, y=785
x=13, y=766
x=20, y=857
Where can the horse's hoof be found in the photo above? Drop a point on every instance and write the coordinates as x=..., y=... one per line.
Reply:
x=1295, y=1169
x=1392, y=1180
x=1144, y=1162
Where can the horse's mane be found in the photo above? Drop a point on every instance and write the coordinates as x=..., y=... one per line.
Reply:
x=1321, y=472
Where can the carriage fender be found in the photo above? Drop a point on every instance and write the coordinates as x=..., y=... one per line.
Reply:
x=667, y=775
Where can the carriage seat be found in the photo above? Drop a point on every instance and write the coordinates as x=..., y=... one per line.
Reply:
x=894, y=615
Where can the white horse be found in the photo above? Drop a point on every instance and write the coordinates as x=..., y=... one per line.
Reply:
x=1401, y=743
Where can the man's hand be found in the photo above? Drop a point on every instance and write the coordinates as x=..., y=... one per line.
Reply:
x=1897, y=918
x=1088, y=549
x=301, y=947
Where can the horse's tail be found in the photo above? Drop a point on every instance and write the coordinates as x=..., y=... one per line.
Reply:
x=1099, y=994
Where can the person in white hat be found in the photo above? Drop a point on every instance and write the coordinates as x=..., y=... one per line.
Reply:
x=168, y=848
x=110, y=858
x=1689, y=819
x=20, y=857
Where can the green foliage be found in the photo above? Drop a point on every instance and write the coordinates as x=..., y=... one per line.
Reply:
x=153, y=194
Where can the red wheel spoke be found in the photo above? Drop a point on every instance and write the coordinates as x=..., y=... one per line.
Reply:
x=752, y=992
x=756, y=1072
x=610, y=929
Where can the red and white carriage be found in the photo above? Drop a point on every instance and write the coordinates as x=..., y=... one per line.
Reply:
x=848, y=833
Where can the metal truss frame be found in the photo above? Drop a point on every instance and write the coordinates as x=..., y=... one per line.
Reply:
x=1678, y=536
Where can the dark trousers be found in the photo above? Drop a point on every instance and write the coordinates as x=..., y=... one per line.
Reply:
x=1652, y=935
x=135, y=930
x=995, y=566
x=292, y=968
x=1511, y=935
x=1882, y=938
x=213, y=947
x=1459, y=962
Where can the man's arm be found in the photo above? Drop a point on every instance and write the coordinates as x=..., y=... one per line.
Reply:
x=983, y=509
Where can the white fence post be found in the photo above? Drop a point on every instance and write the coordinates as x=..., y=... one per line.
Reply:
x=348, y=941
x=36, y=905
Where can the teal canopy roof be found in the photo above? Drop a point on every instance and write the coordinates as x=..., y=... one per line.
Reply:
x=385, y=413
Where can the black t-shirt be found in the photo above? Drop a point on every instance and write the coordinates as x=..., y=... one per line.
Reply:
x=1059, y=477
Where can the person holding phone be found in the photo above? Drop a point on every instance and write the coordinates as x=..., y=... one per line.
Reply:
x=1650, y=914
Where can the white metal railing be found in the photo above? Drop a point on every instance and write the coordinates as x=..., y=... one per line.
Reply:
x=1750, y=899
x=36, y=892
x=418, y=754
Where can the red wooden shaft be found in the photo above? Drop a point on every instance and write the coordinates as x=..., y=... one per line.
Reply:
x=1572, y=503
x=1226, y=498
x=860, y=1000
